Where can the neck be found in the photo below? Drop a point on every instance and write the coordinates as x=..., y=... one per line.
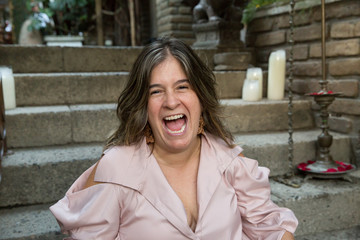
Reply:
x=179, y=159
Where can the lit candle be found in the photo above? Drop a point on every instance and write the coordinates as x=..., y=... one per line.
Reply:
x=252, y=85
x=256, y=74
x=8, y=86
x=276, y=78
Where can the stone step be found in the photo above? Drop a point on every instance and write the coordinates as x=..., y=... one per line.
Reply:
x=42, y=175
x=45, y=89
x=320, y=206
x=45, y=59
x=56, y=125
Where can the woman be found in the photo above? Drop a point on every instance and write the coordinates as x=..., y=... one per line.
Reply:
x=171, y=170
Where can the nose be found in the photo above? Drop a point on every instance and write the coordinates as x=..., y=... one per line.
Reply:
x=171, y=100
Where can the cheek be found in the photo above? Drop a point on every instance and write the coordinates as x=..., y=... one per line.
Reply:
x=152, y=111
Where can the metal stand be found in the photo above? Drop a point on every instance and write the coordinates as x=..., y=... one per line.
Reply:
x=324, y=166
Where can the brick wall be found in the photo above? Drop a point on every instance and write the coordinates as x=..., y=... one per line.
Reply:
x=270, y=31
x=174, y=18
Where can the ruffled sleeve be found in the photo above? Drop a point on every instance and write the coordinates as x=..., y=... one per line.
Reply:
x=91, y=213
x=262, y=219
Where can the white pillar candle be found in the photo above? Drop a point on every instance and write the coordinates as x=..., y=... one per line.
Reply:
x=256, y=74
x=8, y=86
x=276, y=78
x=250, y=91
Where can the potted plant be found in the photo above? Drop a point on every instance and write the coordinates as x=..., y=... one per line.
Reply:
x=70, y=19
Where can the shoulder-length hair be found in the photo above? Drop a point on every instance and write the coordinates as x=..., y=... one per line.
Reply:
x=132, y=103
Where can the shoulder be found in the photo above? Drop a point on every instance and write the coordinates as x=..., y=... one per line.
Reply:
x=122, y=164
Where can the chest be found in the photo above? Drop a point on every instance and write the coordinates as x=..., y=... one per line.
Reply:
x=163, y=217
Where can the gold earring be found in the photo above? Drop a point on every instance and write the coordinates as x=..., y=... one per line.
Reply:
x=201, y=126
x=148, y=134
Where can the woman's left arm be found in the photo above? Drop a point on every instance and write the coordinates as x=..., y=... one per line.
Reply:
x=261, y=217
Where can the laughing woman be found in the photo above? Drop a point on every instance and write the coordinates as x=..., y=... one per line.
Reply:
x=171, y=170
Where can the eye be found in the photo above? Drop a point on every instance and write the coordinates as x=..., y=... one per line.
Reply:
x=183, y=87
x=153, y=92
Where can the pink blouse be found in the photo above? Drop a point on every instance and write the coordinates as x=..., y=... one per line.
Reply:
x=135, y=201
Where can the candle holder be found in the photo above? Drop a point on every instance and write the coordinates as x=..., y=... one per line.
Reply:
x=324, y=166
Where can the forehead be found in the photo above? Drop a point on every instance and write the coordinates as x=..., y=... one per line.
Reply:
x=169, y=69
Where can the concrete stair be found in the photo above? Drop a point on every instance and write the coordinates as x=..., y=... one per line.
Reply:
x=66, y=108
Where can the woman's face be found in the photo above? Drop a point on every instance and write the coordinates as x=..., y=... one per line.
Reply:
x=173, y=107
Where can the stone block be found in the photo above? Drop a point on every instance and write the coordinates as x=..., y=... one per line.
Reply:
x=232, y=61
x=271, y=149
x=30, y=222
x=68, y=88
x=242, y=116
x=181, y=34
x=321, y=205
x=96, y=87
x=281, y=21
x=185, y=10
x=271, y=38
x=42, y=175
x=347, y=47
x=175, y=19
x=340, y=124
x=93, y=123
x=342, y=67
x=301, y=52
x=184, y=26
x=338, y=10
x=345, y=106
x=344, y=29
x=347, y=87
x=109, y=59
x=41, y=89
x=38, y=126
x=307, y=33
x=337, y=124
x=32, y=59
x=261, y=25
x=357, y=29
x=167, y=27
x=168, y=11
x=229, y=84
x=309, y=68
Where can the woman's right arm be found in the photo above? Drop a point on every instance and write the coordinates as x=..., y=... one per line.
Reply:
x=90, y=210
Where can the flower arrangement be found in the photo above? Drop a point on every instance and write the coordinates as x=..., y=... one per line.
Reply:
x=321, y=92
x=341, y=167
x=253, y=6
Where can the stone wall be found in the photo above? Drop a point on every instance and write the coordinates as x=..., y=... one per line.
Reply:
x=270, y=31
x=174, y=18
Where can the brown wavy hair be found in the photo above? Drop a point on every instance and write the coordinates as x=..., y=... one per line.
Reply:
x=132, y=103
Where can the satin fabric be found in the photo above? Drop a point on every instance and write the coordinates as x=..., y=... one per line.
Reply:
x=135, y=201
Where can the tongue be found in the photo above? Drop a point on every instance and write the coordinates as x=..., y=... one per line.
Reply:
x=175, y=125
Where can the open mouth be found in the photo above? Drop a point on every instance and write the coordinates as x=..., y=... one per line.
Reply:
x=175, y=124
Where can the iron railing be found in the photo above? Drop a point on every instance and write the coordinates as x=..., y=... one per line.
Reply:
x=3, y=147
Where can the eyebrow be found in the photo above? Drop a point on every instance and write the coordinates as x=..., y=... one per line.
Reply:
x=177, y=82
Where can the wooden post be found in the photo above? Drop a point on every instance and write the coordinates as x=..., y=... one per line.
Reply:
x=99, y=23
x=132, y=22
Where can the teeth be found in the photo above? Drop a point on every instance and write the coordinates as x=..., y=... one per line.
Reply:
x=174, y=117
x=180, y=131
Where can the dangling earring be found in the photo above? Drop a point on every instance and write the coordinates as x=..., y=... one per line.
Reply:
x=148, y=134
x=201, y=125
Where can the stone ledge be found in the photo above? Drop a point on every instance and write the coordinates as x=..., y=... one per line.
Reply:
x=321, y=205
x=313, y=204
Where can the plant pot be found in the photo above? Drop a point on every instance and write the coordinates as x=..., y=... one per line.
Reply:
x=65, y=41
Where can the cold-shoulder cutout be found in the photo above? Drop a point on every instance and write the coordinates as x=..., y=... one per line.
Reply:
x=90, y=181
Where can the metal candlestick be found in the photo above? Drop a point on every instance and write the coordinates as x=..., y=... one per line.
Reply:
x=324, y=166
